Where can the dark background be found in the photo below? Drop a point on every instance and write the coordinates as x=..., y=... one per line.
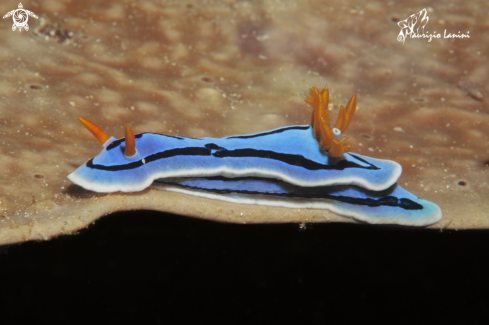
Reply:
x=152, y=267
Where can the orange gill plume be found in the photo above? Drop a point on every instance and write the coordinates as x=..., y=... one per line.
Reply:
x=320, y=121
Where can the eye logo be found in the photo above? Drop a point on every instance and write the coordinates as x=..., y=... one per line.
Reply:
x=20, y=17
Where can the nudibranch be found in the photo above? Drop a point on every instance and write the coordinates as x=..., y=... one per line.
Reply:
x=299, y=166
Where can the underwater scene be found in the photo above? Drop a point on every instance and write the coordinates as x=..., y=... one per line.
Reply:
x=243, y=112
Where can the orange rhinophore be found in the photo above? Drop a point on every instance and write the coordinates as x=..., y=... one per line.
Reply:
x=326, y=135
x=130, y=149
x=101, y=136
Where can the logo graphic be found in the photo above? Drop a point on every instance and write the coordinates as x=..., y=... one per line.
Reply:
x=20, y=17
x=408, y=25
x=414, y=26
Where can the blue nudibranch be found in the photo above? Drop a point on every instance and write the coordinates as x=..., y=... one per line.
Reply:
x=300, y=166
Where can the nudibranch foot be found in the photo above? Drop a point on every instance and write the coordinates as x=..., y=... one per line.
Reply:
x=393, y=205
x=320, y=121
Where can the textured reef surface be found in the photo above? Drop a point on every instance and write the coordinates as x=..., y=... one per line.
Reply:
x=220, y=68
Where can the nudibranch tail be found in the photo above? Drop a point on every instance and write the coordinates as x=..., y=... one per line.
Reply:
x=130, y=149
x=322, y=130
x=101, y=136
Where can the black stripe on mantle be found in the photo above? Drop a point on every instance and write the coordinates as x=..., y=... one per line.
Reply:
x=212, y=149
